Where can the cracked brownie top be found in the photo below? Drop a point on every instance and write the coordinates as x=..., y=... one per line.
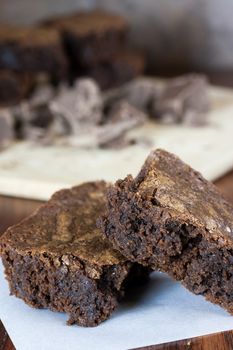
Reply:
x=66, y=225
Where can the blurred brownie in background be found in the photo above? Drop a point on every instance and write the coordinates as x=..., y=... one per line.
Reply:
x=36, y=50
x=90, y=37
x=125, y=66
x=14, y=87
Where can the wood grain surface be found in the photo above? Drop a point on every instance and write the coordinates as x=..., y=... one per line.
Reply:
x=12, y=210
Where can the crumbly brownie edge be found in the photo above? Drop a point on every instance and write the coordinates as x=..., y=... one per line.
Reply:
x=149, y=234
x=45, y=281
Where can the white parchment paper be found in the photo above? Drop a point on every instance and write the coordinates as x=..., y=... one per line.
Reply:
x=161, y=311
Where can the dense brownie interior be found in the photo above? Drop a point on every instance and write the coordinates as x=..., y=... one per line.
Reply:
x=171, y=219
x=57, y=258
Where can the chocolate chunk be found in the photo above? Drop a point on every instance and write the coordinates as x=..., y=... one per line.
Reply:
x=139, y=93
x=6, y=128
x=171, y=219
x=184, y=99
x=122, y=118
x=58, y=259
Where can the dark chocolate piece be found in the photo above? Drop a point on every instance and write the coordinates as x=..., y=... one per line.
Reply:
x=125, y=66
x=111, y=134
x=184, y=100
x=139, y=93
x=171, y=219
x=120, y=119
x=90, y=37
x=80, y=105
x=58, y=259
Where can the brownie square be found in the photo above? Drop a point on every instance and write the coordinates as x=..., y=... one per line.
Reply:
x=171, y=219
x=58, y=259
x=26, y=49
x=90, y=37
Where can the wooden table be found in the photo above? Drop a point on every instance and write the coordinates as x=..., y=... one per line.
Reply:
x=13, y=210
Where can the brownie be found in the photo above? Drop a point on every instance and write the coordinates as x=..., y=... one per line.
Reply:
x=58, y=259
x=26, y=49
x=171, y=219
x=125, y=66
x=90, y=37
x=14, y=87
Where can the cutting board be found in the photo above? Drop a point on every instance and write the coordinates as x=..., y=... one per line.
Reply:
x=33, y=171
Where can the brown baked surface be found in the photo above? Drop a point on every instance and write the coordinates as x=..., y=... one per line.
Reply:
x=28, y=35
x=57, y=258
x=86, y=23
x=171, y=219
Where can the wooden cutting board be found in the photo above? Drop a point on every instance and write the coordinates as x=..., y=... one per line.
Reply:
x=32, y=171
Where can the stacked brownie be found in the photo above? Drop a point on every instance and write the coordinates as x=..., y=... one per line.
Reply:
x=95, y=45
x=80, y=251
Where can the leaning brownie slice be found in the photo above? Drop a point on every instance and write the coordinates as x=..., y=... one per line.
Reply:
x=58, y=259
x=171, y=219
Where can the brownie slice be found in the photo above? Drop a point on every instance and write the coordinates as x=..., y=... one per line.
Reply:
x=26, y=49
x=184, y=100
x=90, y=37
x=58, y=259
x=14, y=87
x=125, y=66
x=171, y=219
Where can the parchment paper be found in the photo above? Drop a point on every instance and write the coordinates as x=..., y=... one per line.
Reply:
x=159, y=312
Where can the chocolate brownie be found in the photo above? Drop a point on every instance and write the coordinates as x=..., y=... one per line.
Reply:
x=90, y=37
x=171, y=219
x=26, y=49
x=14, y=87
x=58, y=259
x=125, y=66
